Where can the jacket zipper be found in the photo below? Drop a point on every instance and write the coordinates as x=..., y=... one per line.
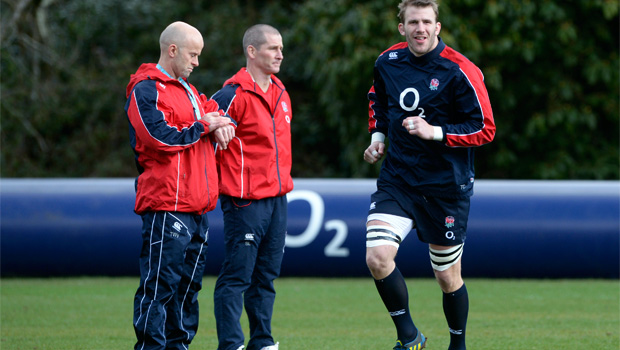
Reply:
x=275, y=140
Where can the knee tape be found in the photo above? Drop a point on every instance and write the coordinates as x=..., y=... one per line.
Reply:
x=392, y=231
x=442, y=260
x=377, y=235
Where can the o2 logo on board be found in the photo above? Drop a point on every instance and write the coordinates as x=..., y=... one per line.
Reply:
x=334, y=248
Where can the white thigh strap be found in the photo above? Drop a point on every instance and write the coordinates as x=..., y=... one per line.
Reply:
x=377, y=235
x=442, y=260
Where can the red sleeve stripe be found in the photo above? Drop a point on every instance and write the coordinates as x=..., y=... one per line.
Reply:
x=476, y=80
x=372, y=121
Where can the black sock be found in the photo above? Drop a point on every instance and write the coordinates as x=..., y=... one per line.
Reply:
x=393, y=292
x=456, y=308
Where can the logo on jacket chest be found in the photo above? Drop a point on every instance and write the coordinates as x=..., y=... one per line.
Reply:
x=285, y=109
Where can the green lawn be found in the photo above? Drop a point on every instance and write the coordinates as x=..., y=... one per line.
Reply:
x=312, y=313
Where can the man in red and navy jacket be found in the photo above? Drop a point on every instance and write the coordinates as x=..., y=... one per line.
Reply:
x=255, y=176
x=431, y=103
x=257, y=163
x=171, y=126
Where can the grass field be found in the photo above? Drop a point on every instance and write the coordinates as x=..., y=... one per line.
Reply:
x=317, y=314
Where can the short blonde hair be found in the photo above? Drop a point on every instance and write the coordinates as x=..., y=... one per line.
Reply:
x=417, y=3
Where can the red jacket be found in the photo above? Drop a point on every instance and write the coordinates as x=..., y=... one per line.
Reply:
x=175, y=160
x=257, y=162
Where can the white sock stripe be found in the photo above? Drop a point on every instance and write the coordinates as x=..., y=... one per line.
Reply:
x=397, y=313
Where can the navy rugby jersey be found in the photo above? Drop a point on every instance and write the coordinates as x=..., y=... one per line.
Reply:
x=448, y=91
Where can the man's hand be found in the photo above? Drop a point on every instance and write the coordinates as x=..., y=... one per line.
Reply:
x=374, y=152
x=224, y=134
x=419, y=127
x=215, y=120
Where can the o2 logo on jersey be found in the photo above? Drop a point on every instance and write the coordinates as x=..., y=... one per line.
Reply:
x=406, y=103
x=403, y=96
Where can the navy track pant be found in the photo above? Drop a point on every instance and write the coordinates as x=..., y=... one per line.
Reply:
x=254, y=235
x=172, y=262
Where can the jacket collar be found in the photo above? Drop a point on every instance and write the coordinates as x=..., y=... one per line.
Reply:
x=247, y=83
x=429, y=56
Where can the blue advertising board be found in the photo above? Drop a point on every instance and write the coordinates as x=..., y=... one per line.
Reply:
x=517, y=229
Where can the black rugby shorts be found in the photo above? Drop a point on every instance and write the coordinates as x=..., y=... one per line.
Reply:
x=441, y=221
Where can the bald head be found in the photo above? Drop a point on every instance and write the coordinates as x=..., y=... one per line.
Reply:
x=178, y=33
x=180, y=45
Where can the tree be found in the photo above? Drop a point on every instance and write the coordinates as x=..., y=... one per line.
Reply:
x=552, y=78
x=551, y=68
x=63, y=83
x=552, y=72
